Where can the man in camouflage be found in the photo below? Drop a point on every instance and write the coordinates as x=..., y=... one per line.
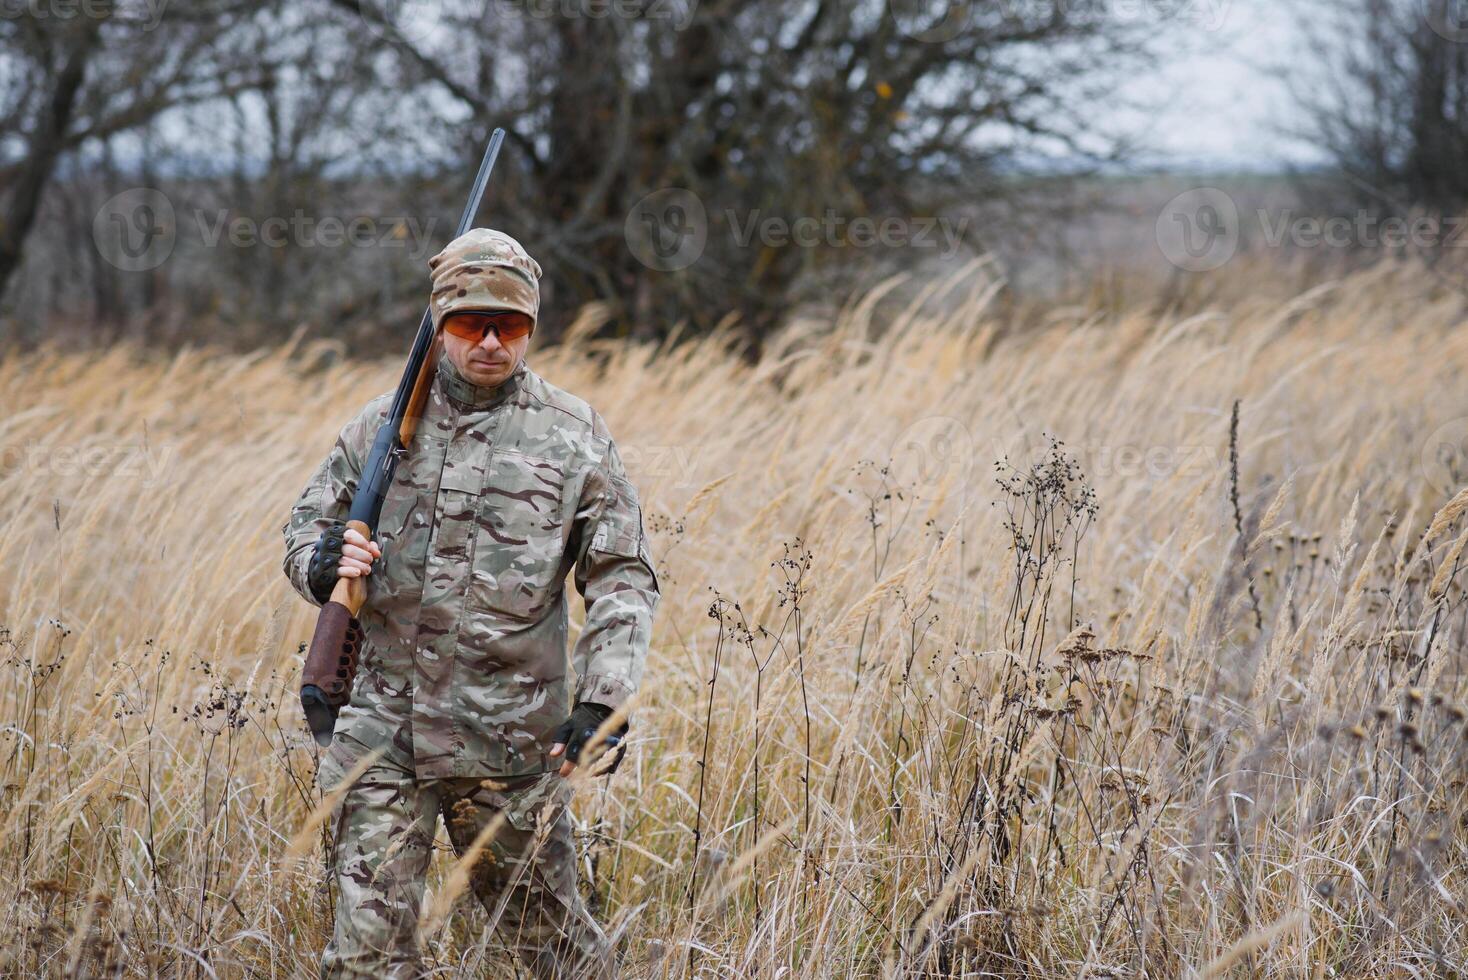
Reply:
x=509, y=484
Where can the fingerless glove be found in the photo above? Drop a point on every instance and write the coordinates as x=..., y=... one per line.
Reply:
x=323, y=571
x=578, y=729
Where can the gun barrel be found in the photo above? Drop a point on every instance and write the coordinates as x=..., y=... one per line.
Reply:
x=331, y=663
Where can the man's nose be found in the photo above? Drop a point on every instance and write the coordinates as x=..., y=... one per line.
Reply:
x=491, y=341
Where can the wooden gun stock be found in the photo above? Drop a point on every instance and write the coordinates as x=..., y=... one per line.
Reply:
x=336, y=646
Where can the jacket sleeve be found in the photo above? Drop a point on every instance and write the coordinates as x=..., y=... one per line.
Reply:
x=328, y=495
x=614, y=574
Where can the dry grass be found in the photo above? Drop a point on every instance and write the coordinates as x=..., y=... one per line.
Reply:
x=883, y=732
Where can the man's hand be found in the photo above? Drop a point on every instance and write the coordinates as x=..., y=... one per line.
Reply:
x=571, y=737
x=340, y=553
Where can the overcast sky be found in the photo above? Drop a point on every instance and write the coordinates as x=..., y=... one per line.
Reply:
x=1219, y=98
x=1215, y=99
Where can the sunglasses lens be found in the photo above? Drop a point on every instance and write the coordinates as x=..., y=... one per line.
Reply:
x=466, y=327
x=513, y=329
x=474, y=326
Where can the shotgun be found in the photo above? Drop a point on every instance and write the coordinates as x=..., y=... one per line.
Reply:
x=331, y=664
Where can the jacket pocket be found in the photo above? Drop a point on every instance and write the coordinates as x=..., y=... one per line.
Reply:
x=620, y=530
x=404, y=529
x=519, y=539
x=341, y=758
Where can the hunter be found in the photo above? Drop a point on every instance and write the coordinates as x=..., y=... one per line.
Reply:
x=464, y=685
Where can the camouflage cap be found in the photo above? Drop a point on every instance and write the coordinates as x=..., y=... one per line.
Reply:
x=484, y=269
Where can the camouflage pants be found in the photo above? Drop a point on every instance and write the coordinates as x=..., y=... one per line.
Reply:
x=526, y=874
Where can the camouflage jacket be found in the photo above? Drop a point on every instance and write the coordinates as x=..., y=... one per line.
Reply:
x=502, y=493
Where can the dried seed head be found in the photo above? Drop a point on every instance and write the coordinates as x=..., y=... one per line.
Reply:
x=46, y=887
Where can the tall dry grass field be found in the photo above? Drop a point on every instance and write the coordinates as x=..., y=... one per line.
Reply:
x=930, y=695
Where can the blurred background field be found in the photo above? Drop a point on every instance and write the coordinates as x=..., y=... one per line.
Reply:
x=930, y=694
x=173, y=171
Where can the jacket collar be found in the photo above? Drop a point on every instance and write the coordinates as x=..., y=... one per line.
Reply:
x=467, y=396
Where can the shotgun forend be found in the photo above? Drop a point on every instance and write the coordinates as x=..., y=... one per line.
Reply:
x=331, y=664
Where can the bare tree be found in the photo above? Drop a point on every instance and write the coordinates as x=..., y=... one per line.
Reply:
x=89, y=76
x=676, y=159
x=43, y=104
x=764, y=112
x=1389, y=100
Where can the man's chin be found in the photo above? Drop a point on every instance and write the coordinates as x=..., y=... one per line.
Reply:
x=486, y=375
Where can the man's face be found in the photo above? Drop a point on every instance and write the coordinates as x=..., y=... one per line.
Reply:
x=473, y=343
